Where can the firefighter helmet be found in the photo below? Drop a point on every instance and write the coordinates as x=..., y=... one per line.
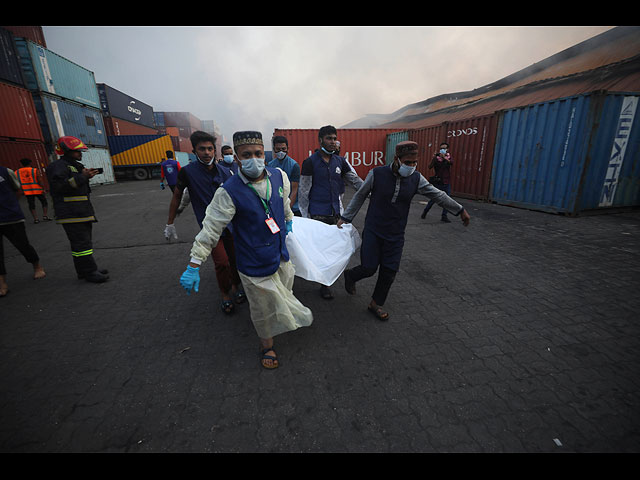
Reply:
x=69, y=143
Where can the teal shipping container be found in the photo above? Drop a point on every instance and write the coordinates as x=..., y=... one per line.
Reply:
x=569, y=155
x=392, y=140
x=59, y=117
x=46, y=71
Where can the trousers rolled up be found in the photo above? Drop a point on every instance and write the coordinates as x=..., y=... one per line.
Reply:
x=79, y=235
x=17, y=235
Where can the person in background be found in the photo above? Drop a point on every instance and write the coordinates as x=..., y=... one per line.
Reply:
x=70, y=191
x=12, y=227
x=441, y=162
x=322, y=182
x=284, y=162
x=169, y=169
x=31, y=183
x=203, y=178
x=228, y=159
x=256, y=202
x=392, y=187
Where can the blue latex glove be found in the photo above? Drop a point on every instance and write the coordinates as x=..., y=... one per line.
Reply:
x=289, y=224
x=190, y=279
x=162, y=185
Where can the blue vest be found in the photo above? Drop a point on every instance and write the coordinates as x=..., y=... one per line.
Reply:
x=258, y=251
x=385, y=218
x=10, y=210
x=324, y=196
x=170, y=168
x=203, y=184
x=286, y=165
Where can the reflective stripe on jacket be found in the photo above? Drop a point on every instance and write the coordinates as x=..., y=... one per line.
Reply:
x=29, y=181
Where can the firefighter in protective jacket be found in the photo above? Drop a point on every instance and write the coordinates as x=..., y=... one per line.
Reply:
x=70, y=191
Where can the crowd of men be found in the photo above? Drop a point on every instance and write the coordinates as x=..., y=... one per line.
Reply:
x=245, y=208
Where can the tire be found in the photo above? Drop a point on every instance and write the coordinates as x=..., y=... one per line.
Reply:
x=140, y=174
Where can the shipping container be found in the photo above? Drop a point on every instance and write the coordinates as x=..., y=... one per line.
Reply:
x=184, y=158
x=33, y=33
x=428, y=140
x=18, y=116
x=392, y=140
x=139, y=156
x=46, y=71
x=363, y=148
x=11, y=152
x=9, y=65
x=59, y=117
x=180, y=119
x=569, y=155
x=114, y=103
x=116, y=126
x=96, y=157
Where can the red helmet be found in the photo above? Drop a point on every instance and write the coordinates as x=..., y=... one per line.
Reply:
x=68, y=143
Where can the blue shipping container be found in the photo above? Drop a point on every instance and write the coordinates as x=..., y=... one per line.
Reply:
x=553, y=156
x=60, y=117
x=9, y=66
x=46, y=71
x=392, y=140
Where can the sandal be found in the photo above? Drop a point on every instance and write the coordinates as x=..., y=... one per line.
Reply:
x=46, y=219
x=36, y=221
x=227, y=306
x=378, y=312
x=274, y=364
x=240, y=296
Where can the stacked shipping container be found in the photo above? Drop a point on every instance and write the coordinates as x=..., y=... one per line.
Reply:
x=20, y=131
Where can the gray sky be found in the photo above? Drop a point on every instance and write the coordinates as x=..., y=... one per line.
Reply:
x=261, y=78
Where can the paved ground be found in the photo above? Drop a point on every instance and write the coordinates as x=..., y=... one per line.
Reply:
x=519, y=333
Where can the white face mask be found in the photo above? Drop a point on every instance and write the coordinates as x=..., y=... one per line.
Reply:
x=228, y=159
x=281, y=155
x=252, y=167
x=213, y=159
x=406, y=170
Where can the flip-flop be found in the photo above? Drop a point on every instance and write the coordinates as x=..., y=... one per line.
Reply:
x=36, y=221
x=275, y=363
x=240, y=296
x=227, y=306
x=379, y=313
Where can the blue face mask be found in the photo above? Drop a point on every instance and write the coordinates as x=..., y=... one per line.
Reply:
x=228, y=159
x=252, y=167
x=327, y=151
x=281, y=155
x=406, y=170
x=443, y=151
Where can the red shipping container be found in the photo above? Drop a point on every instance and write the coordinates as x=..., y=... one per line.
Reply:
x=33, y=33
x=18, y=117
x=116, y=126
x=471, y=144
x=12, y=152
x=364, y=148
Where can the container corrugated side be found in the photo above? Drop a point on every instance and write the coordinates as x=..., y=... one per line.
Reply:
x=471, y=145
x=119, y=105
x=96, y=157
x=428, y=140
x=612, y=177
x=59, y=117
x=30, y=32
x=540, y=154
x=116, y=126
x=363, y=148
x=18, y=116
x=12, y=151
x=129, y=150
x=9, y=64
x=392, y=140
x=46, y=71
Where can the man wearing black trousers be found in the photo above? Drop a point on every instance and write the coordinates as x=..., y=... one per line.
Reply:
x=70, y=191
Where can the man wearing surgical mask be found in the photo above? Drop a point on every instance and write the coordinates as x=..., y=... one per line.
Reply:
x=283, y=161
x=441, y=163
x=203, y=178
x=256, y=203
x=392, y=187
x=228, y=160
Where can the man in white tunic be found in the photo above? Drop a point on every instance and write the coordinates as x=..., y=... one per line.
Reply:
x=256, y=203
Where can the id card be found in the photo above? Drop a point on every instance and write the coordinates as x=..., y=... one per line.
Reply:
x=273, y=226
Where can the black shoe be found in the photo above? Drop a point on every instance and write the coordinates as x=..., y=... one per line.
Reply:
x=445, y=220
x=96, y=277
x=349, y=284
x=325, y=292
x=102, y=271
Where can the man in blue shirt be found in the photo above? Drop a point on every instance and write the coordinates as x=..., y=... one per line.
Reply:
x=322, y=180
x=284, y=162
x=169, y=170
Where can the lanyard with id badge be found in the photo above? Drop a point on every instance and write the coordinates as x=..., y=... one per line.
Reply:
x=271, y=223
